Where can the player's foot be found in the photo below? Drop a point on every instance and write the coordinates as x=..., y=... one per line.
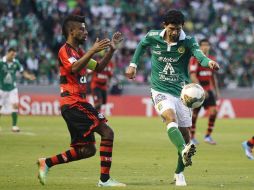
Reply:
x=247, y=150
x=194, y=141
x=15, y=129
x=209, y=140
x=179, y=179
x=111, y=183
x=43, y=170
x=187, y=153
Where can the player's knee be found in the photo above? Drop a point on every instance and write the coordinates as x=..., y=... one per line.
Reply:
x=169, y=116
x=109, y=134
x=213, y=112
x=86, y=152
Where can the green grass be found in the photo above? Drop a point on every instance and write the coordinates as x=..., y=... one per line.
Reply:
x=143, y=156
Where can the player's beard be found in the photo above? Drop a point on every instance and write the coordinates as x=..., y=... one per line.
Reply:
x=174, y=38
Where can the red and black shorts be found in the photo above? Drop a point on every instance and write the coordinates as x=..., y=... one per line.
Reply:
x=99, y=95
x=81, y=119
x=210, y=100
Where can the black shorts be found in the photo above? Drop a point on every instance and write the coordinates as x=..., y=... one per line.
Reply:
x=99, y=96
x=81, y=119
x=210, y=100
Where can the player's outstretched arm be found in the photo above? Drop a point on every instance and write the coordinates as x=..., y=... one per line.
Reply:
x=28, y=76
x=99, y=45
x=114, y=44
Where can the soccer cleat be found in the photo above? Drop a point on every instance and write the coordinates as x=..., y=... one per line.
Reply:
x=111, y=183
x=209, y=140
x=188, y=151
x=247, y=150
x=194, y=141
x=15, y=129
x=43, y=170
x=179, y=179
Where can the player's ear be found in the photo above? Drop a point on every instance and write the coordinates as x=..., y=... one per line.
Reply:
x=164, y=24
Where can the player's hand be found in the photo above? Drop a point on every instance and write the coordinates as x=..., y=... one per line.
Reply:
x=31, y=77
x=131, y=72
x=100, y=45
x=213, y=65
x=116, y=40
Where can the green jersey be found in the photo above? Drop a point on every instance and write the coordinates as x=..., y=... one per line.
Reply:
x=169, y=61
x=8, y=74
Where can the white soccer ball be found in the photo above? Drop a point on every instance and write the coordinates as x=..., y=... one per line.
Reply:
x=193, y=95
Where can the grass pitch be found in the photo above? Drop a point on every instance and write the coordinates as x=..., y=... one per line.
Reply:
x=143, y=157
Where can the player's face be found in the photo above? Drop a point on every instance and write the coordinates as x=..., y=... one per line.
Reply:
x=11, y=55
x=173, y=31
x=79, y=32
x=205, y=47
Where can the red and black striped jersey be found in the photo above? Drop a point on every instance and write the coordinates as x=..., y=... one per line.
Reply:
x=204, y=75
x=72, y=85
x=101, y=79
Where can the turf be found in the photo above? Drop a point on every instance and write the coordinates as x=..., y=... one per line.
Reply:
x=143, y=156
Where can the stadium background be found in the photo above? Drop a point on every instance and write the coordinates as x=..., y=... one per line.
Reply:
x=34, y=28
x=143, y=157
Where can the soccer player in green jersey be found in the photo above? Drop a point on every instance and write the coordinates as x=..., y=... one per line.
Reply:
x=9, y=66
x=171, y=51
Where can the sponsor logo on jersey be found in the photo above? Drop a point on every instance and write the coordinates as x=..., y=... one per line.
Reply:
x=205, y=73
x=82, y=79
x=153, y=33
x=168, y=59
x=181, y=49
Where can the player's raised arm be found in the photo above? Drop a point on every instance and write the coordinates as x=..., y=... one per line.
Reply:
x=140, y=50
x=114, y=44
x=83, y=61
x=203, y=60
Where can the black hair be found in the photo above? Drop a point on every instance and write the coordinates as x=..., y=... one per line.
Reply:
x=11, y=49
x=173, y=17
x=67, y=23
x=204, y=40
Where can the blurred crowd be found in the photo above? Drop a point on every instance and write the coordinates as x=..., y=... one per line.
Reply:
x=34, y=28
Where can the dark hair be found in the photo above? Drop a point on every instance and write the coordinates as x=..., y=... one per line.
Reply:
x=173, y=17
x=11, y=49
x=67, y=23
x=204, y=40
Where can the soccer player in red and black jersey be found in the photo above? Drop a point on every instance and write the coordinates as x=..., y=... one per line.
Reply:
x=99, y=85
x=81, y=117
x=207, y=79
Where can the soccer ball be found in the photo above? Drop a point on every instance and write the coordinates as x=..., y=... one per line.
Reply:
x=193, y=95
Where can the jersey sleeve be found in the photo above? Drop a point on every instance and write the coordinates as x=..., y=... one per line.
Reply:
x=66, y=61
x=193, y=65
x=197, y=53
x=20, y=66
x=140, y=50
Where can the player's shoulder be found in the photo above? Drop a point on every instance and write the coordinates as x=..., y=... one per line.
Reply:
x=189, y=38
x=153, y=33
x=64, y=51
x=190, y=41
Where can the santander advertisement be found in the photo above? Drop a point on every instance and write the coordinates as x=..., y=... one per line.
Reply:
x=48, y=104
